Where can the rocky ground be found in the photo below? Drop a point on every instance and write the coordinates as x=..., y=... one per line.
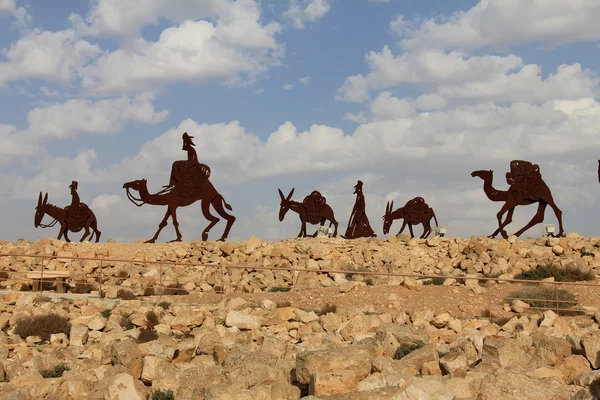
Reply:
x=332, y=336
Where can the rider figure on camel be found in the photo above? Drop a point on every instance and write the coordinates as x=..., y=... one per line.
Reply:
x=74, y=195
x=187, y=146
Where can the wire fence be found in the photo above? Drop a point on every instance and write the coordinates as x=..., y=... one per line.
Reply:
x=42, y=276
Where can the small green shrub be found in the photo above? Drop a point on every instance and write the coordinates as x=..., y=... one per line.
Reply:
x=586, y=253
x=545, y=298
x=42, y=326
x=106, y=313
x=174, y=289
x=405, y=349
x=82, y=287
x=147, y=335
x=126, y=294
x=326, y=309
x=369, y=282
x=126, y=323
x=55, y=372
x=279, y=289
x=163, y=395
x=434, y=281
x=164, y=304
x=152, y=319
x=560, y=274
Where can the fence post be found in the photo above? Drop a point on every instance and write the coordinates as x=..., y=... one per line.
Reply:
x=556, y=296
x=101, y=278
x=42, y=275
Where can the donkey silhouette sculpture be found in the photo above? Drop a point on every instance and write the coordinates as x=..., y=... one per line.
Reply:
x=414, y=212
x=189, y=182
x=68, y=218
x=314, y=210
x=526, y=187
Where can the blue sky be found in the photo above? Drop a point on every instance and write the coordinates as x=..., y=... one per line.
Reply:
x=408, y=96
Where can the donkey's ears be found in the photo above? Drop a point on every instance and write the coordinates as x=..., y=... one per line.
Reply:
x=291, y=194
x=281, y=194
x=45, y=199
x=40, y=199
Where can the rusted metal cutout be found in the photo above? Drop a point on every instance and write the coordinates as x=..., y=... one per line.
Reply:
x=313, y=209
x=359, y=225
x=414, y=212
x=189, y=182
x=74, y=217
x=526, y=187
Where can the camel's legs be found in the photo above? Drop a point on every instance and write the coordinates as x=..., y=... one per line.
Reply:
x=211, y=218
x=175, y=223
x=85, y=233
x=218, y=205
x=412, y=235
x=162, y=224
x=95, y=228
x=537, y=218
x=507, y=221
x=557, y=212
x=506, y=207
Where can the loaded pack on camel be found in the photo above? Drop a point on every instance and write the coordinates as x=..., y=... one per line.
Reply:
x=525, y=180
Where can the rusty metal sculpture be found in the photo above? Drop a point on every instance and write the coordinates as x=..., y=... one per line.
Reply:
x=359, y=225
x=74, y=217
x=598, y=170
x=526, y=187
x=189, y=182
x=414, y=212
x=313, y=209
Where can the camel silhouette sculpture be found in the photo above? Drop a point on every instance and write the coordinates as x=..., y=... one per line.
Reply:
x=189, y=182
x=72, y=218
x=414, y=212
x=526, y=187
x=313, y=209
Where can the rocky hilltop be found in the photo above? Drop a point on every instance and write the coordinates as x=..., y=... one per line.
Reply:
x=236, y=346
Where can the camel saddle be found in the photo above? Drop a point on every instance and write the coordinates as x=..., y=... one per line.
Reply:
x=524, y=179
x=188, y=177
x=76, y=216
x=314, y=204
x=414, y=210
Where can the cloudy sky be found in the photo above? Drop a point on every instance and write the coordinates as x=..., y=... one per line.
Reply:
x=408, y=96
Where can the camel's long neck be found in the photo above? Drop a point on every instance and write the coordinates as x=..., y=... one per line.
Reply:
x=55, y=212
x=154, y=199
x=491, y=193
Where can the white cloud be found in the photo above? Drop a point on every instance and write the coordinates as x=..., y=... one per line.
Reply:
x=305, y=80
x=304, y=11
x=501, y=23
x=233, y=46
x=288, y=86
x=125, y=19
x=192, y=51
x=386, y=107
x=458, y=76
x=7, y=6
x=359, y=118
x=260, y=91
x=51, y=56
x=63, y=120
